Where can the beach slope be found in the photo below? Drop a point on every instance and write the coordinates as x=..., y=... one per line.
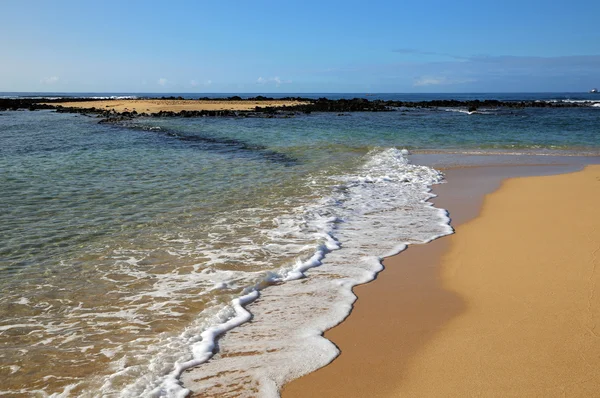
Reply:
x=514, y=308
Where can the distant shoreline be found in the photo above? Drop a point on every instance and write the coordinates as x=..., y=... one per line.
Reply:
x=259, y=106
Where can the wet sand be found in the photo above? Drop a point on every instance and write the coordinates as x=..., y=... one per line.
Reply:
x=155, y=106
x=505, y=307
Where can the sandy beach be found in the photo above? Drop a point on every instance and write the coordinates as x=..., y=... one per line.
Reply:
x=507, y=306
x=157, y=105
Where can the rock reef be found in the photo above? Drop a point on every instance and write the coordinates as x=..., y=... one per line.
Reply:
x=301, y=106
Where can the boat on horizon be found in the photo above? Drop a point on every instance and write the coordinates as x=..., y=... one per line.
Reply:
x=594, y=91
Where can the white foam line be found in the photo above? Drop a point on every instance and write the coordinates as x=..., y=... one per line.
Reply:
x=461, y=111
x=400, y=248
x=298, y=271
x=376, y=172
x=202, y=344
x=203, y=350
x=20, y=325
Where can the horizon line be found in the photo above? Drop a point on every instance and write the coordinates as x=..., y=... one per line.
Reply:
x=292, y=92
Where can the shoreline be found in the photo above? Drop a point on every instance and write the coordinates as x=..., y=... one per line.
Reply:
x=262, y=106
x=50, y=116
x=404, y=311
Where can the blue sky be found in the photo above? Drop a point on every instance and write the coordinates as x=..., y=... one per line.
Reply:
x=300, y=46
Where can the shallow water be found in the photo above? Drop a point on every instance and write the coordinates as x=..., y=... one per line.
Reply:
x=121, y=244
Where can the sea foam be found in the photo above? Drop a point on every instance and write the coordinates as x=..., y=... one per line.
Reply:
x=373, y=213
x=266, y=281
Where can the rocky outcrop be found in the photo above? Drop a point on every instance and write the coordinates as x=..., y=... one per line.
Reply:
x=339, y=106
x=34, y=103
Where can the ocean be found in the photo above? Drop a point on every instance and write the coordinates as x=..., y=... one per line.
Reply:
x=127, y=249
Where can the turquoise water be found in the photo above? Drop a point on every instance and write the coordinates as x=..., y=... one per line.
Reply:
x=120, y=244
x=574, y=129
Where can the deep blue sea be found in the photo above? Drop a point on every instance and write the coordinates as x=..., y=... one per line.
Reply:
x=126, y=248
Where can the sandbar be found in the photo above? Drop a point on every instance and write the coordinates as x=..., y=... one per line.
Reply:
x=507, y=306
x=156, y=105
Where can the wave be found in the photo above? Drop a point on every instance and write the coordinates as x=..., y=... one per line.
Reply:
x=467, y=112
x=372, y=214
x=289, y=266
x=589, y=102
x=112, y=97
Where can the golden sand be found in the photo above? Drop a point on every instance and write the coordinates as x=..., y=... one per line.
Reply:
x=155, y=106
x=511, y=309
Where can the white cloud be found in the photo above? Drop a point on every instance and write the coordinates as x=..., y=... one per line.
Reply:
x=196, y=83
x=49, y=80
x=274, y=80
x=162, y=81
x=428, y=81
x=413, y=51
x=438, y=81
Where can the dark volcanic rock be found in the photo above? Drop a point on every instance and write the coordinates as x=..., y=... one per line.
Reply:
x=114, y=119
x=342, y=107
